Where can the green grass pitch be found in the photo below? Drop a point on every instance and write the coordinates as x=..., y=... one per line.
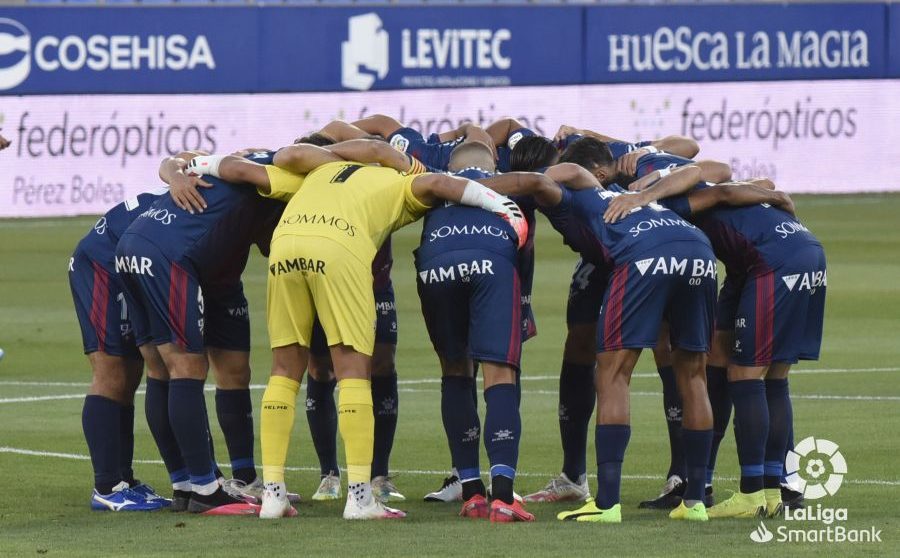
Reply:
x=851, y=396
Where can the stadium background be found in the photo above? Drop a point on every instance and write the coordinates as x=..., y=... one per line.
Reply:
x=95, y=94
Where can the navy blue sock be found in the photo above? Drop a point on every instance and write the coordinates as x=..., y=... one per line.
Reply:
x=462, y=425
x=720, y=400
x=126, y=447
x=100, y=420
x=212, y=446
x=781, y=419
x=751, y=415
x=321, y=414
x=156, y=407
x=187, y=408
x=790, y=447
x=502, y=432
x=672, y=412
x=518, y=387
x=610, y=441
x=386, y=405
x=696, y=448
x=576, y=405
x=235, y=412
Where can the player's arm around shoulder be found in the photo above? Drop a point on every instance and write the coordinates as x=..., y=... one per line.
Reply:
x=739, y=194
x=371, y=151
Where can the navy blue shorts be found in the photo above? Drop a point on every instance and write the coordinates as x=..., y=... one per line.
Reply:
x=727, y=305
x=101, y=307
x=385, y=322
x=431, y=152
x=781, y=313
x=676, y=283
x=586, y=293
x=471, y=301
x=168, y=304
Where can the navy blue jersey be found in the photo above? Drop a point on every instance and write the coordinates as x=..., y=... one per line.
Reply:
x=612, y=244
x=505, y=151
x=457, y=227
x=100, y=243
x=218, y=240
x=433, y=152
x=657, y=161
x=749, y=240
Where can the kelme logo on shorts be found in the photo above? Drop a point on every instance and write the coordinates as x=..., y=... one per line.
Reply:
x=816, y=468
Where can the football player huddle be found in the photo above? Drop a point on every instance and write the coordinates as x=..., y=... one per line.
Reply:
x=157, y=286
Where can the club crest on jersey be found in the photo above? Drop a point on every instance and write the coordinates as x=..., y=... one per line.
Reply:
x=399, y=143
x=809, y=281
x=675, y=266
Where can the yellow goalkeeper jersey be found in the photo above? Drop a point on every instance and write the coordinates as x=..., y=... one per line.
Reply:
x=355, y=205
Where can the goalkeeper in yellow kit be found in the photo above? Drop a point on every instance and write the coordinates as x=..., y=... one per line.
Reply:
x=320, y=266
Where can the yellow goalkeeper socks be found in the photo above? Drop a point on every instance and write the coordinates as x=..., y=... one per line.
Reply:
x=356, y=422
x=276, y=423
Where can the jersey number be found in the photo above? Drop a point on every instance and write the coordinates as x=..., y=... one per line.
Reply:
x=345, y=173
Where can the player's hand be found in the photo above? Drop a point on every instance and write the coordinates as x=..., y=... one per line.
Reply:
x=621, y=206
x=565, y=131
x=627, y=164
x=514, y=216
x=4, y=143
x=185, y=193
x=785, y=203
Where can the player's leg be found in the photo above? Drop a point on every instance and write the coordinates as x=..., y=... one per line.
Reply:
x=691, y=317
x=676, y=477
x=717, y=368
x=445, y=309
x=494, y=339
x=696, y=432
x=110, y=394
x=276, y=424
x=781, y=421
x=633, y=309
x=576, y=385
x=187, y=416
x=321, y=416
x=234, y=411
x=227, y=339
x=719, y=399
x=385, y=395
x=611, y=436
x=750, y=357
x=345, y=304
x=108, y=340
x=290, y=313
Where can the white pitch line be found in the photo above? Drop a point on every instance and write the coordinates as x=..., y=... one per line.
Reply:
x=524, y=378
x=82, y=457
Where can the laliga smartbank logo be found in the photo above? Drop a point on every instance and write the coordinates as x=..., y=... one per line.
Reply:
x=815, y=467
x=824, y=471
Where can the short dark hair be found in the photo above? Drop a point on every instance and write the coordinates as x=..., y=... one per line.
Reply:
x=532, y=153
x=316, y=138
x=587, y=152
